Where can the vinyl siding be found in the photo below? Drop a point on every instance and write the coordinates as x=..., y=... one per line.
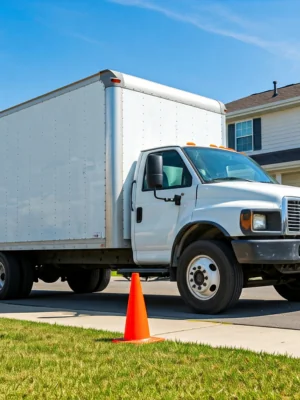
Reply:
x=280, y=131
x=292, y=179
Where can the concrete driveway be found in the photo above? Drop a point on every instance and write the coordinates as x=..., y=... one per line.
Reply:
x=257, y=306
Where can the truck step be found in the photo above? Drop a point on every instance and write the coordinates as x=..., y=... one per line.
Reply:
x=143, y=271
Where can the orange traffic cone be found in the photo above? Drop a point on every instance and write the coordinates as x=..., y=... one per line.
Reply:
x=136, y=328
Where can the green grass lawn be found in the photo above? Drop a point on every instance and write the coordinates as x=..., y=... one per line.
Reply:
x=40, y=361
x=114, y=273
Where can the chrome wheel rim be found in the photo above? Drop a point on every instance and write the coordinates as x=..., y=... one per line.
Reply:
x=2, y=276
x=203, y=277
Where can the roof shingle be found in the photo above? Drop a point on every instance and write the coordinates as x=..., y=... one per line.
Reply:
x=258, y=99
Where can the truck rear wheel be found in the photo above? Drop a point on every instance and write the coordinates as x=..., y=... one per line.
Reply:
x=27, y=278
x=289, y=291
x=82, y=280
x=104, y=279
x=209, y=278
x=10, y=277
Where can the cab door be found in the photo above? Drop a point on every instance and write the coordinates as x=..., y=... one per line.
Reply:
x=155, y=222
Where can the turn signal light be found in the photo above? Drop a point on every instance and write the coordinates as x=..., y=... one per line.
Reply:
x=246, y=220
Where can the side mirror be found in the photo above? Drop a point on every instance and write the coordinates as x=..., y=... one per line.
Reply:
x=154, y=171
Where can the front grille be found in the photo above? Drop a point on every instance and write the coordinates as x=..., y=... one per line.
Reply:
x=293, y=211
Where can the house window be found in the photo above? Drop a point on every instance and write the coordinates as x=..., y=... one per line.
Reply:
x=244, y=135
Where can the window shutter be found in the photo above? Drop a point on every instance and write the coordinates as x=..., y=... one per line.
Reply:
x=257, y=134
x=231, y=136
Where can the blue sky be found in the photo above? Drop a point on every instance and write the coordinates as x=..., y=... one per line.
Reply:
x=224, y=49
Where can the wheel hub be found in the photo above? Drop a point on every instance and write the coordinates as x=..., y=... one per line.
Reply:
x=199, y=277
x=203, y=277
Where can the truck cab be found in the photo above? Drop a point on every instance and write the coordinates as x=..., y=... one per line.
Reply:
x=218, y=221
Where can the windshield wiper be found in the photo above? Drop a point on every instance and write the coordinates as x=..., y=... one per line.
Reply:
x=266, y=182
x=230, y=178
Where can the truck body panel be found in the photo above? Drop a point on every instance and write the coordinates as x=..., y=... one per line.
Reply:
x=68, y=158
x=52, y=170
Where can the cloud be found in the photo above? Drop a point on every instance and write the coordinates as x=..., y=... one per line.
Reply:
x=211, y=16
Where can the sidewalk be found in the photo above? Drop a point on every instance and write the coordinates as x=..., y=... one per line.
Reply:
x=270, y=340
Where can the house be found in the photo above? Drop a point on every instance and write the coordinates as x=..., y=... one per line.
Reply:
x=266, y=126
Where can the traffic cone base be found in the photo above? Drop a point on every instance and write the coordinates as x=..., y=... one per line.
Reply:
x=151, y=339
x=136, y=327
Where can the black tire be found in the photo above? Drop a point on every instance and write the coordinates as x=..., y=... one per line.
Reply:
x=27, y=278
x=10, y=276
x=83, y=280
x=289, y=291
x=104, y=279
x=230, y=277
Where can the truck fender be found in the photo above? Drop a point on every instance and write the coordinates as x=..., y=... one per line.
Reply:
x=192, y=227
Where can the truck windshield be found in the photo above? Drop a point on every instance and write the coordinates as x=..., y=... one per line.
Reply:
x=216, y=165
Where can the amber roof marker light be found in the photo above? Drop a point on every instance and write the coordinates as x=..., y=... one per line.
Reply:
x=191, y=144
x=115, y=80
x=221, y=147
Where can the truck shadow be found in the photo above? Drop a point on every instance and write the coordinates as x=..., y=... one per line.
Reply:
x=255, y=312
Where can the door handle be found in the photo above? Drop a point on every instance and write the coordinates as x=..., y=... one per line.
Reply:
x=139, y=215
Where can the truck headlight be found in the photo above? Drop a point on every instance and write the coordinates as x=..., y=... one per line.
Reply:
x=259, y=222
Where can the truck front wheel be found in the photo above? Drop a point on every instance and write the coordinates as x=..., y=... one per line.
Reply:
x=289, y=291
x=209, y=278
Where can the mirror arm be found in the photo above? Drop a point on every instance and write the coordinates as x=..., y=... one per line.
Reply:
x=176, y=199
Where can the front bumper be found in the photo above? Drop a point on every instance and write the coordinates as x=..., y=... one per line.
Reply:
x=277, y=251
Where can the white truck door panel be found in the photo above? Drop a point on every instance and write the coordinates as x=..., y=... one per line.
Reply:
x=156, y=222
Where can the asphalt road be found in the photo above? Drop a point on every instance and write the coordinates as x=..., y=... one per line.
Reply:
x=257, y=306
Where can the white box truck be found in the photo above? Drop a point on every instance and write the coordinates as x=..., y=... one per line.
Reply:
x=100, y=175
